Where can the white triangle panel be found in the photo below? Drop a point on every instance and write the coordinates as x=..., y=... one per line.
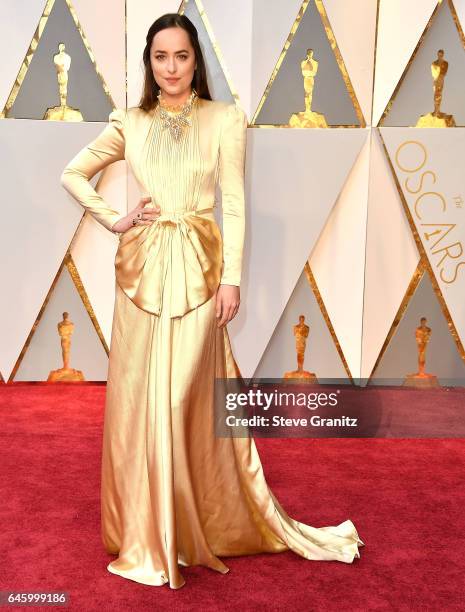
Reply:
x=391, y=256
x=338, y=260
x=294, y=177
x=35, y=154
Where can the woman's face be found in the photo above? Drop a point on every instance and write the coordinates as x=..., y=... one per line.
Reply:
x=172, y=58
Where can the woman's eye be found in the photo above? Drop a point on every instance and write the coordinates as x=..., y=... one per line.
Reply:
x=162, y=57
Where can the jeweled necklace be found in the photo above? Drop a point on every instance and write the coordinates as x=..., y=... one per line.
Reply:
x=176, y=123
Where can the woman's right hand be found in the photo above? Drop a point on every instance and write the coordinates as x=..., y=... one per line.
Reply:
x=148, y=215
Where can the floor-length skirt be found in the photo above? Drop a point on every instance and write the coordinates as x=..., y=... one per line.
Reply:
x=172, y=492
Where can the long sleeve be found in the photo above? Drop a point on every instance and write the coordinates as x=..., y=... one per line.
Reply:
x=233, y=139
x=107, y=148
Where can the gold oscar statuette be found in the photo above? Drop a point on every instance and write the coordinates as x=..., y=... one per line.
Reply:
x=301, y=331
x=63, y=112
x=421, y=378
x=308, y=118
x=437, y=118
x=65, y=330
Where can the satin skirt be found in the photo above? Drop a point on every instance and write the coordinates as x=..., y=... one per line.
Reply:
x=172, y=493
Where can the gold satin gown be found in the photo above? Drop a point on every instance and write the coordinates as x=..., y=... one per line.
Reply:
x=172, y=493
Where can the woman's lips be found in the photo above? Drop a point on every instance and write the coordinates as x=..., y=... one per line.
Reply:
x=172, y=80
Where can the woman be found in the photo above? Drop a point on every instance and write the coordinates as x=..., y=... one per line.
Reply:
x=173, y=492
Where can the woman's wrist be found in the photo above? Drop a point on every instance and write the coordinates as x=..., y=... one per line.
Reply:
x=117, y=222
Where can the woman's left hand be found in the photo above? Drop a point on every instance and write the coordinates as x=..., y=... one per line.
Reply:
x=227, y=303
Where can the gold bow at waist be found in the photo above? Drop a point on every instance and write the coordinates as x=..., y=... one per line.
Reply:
x=187, y=244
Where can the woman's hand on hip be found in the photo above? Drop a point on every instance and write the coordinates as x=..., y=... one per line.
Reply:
x=227, y=303
x=143, y=216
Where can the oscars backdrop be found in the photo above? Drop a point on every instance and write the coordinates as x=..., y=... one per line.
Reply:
x=354, y=267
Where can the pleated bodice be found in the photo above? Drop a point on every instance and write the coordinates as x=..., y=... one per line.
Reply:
x=173, y=169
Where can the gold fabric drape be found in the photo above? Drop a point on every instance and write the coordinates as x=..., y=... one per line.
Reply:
x=173, y=494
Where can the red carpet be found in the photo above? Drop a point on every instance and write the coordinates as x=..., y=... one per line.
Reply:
x=406, y=498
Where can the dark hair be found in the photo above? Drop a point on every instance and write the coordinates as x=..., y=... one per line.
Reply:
x=151, y=88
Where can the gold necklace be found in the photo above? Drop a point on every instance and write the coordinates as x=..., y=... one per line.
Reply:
x=175, y=123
